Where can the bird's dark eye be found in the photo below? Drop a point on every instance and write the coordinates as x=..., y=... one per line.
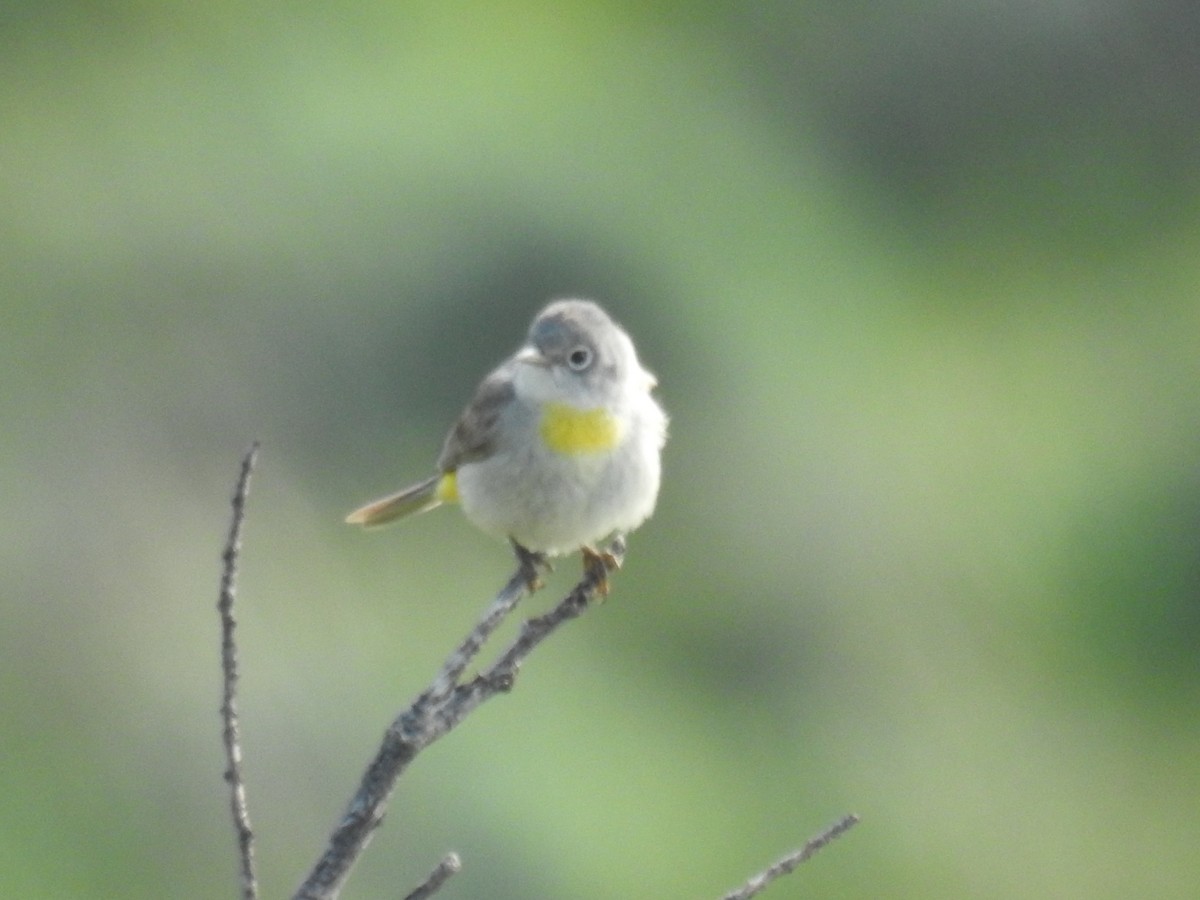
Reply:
x=579, y=358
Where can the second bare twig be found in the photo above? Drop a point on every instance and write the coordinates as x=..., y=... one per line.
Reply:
x=229, y=668
x=760, y=881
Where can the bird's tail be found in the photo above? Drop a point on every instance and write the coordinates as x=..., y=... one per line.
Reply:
x=417, y=498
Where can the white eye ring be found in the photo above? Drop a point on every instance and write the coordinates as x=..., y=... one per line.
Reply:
x=579, y=358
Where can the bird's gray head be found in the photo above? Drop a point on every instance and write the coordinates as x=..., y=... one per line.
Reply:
x=586, y=351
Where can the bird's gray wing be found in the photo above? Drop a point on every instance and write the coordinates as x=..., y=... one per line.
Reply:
x=474, y=435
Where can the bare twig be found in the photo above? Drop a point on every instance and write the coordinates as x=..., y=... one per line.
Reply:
x=441, y=707
x=229, y=715
x=449, y=865
x=760, y=881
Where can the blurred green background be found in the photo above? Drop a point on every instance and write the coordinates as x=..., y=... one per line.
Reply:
x=920, y=284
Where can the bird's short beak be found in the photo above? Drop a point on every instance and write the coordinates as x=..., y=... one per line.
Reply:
x=531, y=355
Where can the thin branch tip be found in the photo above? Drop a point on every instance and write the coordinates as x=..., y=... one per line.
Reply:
x=450, y=865
x=789, y=863
x=231, y=731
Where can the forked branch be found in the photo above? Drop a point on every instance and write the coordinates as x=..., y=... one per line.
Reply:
x=441, y=707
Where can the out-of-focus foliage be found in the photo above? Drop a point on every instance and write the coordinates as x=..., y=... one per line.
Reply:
x=920, y=284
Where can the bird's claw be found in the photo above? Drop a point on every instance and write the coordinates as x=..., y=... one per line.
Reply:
x=597, y=564
x=532, y=564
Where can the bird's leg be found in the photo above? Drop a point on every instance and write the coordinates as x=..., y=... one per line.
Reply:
x=598, y=563
x=531, y=565
x=615, y=554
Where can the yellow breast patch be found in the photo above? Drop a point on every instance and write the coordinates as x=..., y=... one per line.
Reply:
x=566, y=429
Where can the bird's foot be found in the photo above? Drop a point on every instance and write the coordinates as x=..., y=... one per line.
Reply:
x=597, y=564
x=531, y=565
